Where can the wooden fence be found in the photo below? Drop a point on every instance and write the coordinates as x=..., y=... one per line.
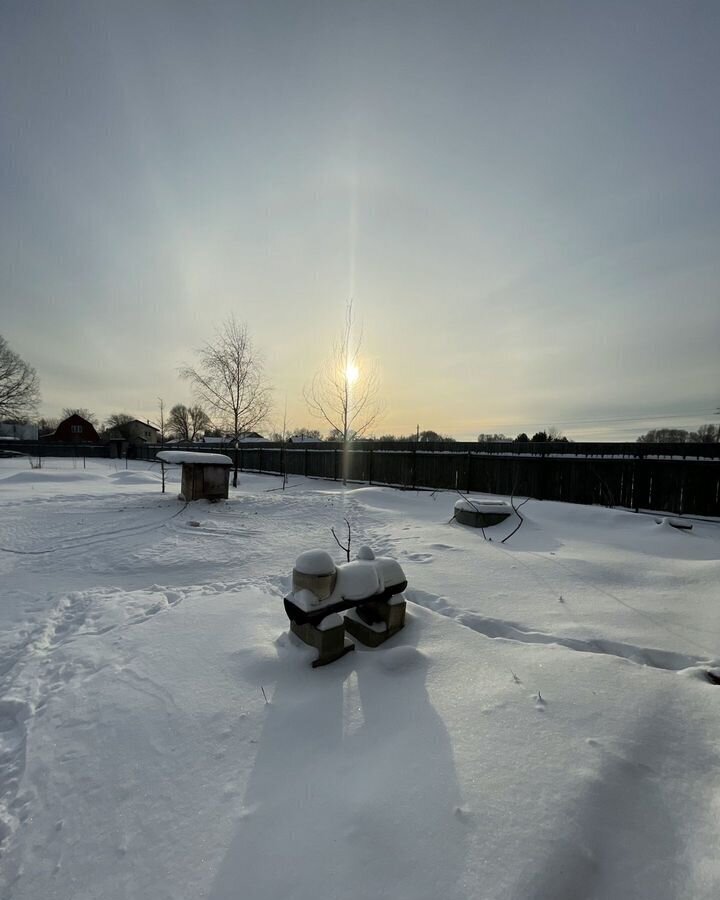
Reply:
x=635, y=476
x=672, y=485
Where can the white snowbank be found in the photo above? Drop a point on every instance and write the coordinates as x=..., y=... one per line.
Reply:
x=188, y=456
x=503, y=745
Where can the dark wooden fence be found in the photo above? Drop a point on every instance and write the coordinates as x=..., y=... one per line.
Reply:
x=672, y=485
x=677, y=478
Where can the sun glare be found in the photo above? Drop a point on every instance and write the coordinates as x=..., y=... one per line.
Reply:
x=352, y=373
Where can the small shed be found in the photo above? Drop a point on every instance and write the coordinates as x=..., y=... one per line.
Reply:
x=205, y=476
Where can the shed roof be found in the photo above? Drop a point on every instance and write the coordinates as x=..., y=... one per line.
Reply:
x=194, y=458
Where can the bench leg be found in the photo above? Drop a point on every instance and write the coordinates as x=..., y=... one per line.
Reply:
x=330, y=643
x=376, y=622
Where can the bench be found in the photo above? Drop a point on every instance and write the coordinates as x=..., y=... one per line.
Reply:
x=369, y=590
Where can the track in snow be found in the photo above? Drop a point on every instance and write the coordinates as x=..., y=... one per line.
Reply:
x=510, y=631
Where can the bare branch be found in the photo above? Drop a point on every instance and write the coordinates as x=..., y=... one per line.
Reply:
x=343, y=393
x=344, y=547
x=229, y=380
x=19, y=384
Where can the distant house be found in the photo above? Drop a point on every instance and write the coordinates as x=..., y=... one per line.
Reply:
x=227, y=440
x=13, y=431
x=252, y=437
x=134, y=432
x=142, y=432
x=73, y=430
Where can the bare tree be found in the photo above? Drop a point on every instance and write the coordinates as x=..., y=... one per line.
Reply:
x=118, y=421
x=229, y=380
x=19, y=384
x=82, y=412
x=308, y=434
x=179, y=422
x=46, y=425
x=199, y=421
x=342, y=393
x=186, y=422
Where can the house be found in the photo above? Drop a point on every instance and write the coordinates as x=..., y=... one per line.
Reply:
x=135, y=432
x=252, y=437
x=73, y=430
x=247, y=437
x=141, y=432
x=14, y=431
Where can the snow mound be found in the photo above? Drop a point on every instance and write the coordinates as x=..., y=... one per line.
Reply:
x=40, y=476
x=134, y=478
x=397, y=659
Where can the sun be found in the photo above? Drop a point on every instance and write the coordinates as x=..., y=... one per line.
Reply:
x=352, y=373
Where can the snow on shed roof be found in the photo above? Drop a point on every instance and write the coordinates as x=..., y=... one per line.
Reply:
x=188, y=456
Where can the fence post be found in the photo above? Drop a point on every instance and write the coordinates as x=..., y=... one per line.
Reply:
x=541, y=477
x=370, y=467
x=305, y=462
x=469, y=461
x=260, y=461
x=335, y=467
x=414, y=466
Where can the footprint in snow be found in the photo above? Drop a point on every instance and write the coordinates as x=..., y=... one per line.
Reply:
x=419, y=557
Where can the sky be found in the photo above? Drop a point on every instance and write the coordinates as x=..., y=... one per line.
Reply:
x=521, y=198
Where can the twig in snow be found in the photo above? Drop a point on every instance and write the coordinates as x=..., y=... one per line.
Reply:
x=517, y=513
x=349, y=538
x=264, y=694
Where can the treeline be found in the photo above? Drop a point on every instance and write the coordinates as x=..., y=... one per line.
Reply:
x=548, y=436
x=706, y=434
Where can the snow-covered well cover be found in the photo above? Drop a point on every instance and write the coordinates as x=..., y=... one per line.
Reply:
x=471, y=504
x=189, y=456
x=541, y=728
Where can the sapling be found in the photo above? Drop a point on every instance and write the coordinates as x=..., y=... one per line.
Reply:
x=349, y=538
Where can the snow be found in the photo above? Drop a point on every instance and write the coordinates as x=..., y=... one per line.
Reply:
x=543, y=727
x=331, y=621
x=305, y=599
x=315, y=562
x=190, y=456
x=356, y=580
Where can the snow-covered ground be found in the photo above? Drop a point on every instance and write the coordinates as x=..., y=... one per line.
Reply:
x=542, y=728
